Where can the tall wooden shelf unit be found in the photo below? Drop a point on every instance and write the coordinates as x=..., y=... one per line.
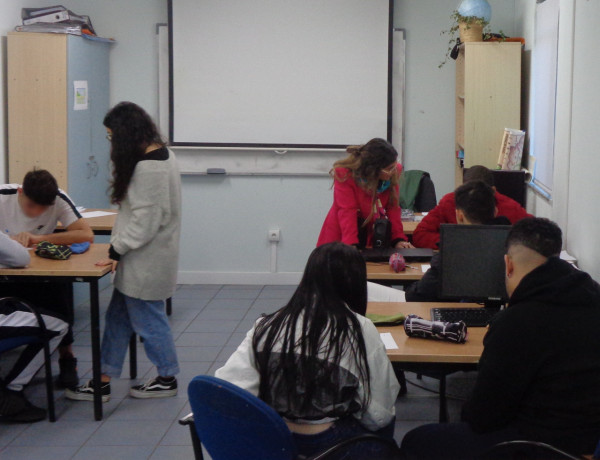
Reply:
x=44, y=130
x=488, y=99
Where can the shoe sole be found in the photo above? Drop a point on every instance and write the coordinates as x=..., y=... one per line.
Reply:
x=83, y=397
x=152, y=394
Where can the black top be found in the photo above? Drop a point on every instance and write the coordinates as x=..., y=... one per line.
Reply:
x=540, y=368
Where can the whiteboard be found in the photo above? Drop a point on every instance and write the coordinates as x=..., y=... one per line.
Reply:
x=280, y=73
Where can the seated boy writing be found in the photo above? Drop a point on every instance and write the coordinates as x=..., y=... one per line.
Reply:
x=427, y=233
x=29, y=214
x=475, y=204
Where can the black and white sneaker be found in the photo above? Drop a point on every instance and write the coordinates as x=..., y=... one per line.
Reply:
x=158, y=387
x=86, y=392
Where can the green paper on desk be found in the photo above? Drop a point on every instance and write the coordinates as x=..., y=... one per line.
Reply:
x=386, y=320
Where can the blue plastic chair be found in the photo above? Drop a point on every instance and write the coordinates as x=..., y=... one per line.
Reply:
x=233, y=424
x=11, y=343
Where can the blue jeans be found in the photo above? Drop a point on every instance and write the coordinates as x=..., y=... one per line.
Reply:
x=147, y=318
x=349, y=427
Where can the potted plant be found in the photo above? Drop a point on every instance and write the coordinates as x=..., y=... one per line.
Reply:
x=469, y=21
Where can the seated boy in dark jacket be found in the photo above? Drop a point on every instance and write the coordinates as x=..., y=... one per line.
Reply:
x=475, y=204
x=539, y=373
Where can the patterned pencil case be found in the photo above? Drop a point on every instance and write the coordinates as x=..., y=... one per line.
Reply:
x=53, y=251
x=415, y=326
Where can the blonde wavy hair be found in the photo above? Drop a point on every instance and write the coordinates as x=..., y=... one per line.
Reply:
x=365, y=163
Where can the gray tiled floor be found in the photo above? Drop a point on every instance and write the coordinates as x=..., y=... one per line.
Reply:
x=208, y=323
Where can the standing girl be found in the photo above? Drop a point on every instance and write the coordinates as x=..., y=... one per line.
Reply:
x=143, y=253
x=365, y=187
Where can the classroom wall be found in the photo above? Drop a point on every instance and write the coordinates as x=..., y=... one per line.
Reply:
x=226, y=219
x=429, y=113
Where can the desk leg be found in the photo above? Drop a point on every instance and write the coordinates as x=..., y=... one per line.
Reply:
x=132, y=357
x=443, y=402
x=95, y=325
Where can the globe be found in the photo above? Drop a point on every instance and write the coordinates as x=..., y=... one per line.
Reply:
x=477, y=8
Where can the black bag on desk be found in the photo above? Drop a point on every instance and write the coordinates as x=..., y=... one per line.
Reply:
x=382, y=233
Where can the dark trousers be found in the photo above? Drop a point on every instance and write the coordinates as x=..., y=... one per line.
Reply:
x=51, y=296
x=452, y=441
x=311, y=444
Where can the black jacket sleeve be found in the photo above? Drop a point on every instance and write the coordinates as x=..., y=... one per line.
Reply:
x=427, y=289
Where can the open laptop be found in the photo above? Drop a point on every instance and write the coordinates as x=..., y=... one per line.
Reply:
x=409, y=254
x=472, y=269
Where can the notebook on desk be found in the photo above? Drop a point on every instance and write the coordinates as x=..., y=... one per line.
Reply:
x=409, y=254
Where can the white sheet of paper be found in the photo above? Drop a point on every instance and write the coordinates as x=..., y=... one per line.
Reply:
x=96, y=214
x=425, y=267
x=388, y=341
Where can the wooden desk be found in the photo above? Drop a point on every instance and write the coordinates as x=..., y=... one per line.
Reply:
x=80, y=268
x=435, y=358
x=415, y=350
x=102, y=225
x=382, y=273
x=409, y=227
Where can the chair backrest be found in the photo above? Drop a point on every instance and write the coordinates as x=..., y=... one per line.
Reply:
x=11, y=343
x=512, y=184
x=234, y=424
x=417, y=191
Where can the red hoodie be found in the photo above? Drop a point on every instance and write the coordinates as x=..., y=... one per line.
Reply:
x=349, y=199
x=427, y=233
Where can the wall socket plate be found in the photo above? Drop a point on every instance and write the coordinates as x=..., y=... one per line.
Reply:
x=274, y=235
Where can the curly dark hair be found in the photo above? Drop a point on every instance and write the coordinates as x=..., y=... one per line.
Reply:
x=132, y=132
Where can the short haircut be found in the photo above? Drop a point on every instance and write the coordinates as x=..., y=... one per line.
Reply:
x=478, y=172
x=477, y=201
x=40, y=186
x=538, y=234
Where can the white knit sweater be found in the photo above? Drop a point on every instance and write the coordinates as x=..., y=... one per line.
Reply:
x=146, y=232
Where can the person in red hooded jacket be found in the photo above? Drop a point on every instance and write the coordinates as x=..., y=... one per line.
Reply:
x=365, y=187
x=427, y=233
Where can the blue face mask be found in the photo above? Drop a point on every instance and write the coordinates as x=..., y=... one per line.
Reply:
x=383, y=186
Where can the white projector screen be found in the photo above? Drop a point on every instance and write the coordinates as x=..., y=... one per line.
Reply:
x=280, y=73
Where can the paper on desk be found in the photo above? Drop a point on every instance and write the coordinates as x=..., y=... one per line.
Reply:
x=388, y=341
x=425, y=267
x=89, y=214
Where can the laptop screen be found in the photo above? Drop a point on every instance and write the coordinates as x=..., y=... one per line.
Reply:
x=472, y=262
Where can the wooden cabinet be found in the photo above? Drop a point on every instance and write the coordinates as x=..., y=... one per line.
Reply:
x=488, y=99
x=44, y=130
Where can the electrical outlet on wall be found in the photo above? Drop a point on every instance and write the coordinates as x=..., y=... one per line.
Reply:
x=274, y=235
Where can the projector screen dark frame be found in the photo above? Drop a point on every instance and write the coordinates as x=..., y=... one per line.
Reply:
x=275, y=146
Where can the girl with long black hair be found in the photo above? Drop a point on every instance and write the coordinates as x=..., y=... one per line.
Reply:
x=318, y=361
x=143, y=253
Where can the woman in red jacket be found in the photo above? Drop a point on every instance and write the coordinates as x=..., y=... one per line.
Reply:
x=365, y=187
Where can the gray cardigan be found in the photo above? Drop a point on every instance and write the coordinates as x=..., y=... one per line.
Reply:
x=146, y=231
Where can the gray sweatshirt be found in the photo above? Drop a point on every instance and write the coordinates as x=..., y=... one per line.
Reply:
x=12, y=253
x=146, y=231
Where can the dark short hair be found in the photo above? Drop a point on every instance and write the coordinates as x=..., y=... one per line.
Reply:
x=538, y=234
x=478, y=172
x=40, y=186
x=477, y=201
